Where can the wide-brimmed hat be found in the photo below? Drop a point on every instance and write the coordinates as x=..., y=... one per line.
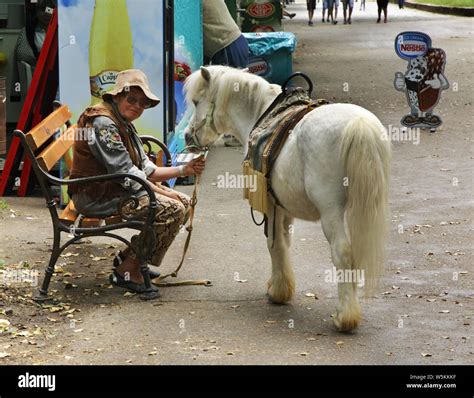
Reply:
x=132, y=78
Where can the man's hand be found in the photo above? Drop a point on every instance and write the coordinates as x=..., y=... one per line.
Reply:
x=195, y=166
x=162, y=190
x=174, y=195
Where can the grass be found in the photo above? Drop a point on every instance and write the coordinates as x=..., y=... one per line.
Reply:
x=3, y=205
x=449, y=3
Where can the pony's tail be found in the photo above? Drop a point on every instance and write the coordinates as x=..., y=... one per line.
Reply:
x=366, y=155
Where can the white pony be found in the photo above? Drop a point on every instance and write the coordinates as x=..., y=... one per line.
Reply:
x=335, y=162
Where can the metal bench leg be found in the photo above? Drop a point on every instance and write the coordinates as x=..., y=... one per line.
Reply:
x=43, y=292
x=149, y=294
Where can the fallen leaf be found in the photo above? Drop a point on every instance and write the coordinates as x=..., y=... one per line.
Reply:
x=304, y=354
x=4, y=354
x=235, y=306
x=431, y=300
x=4, y=324
x=310, y=295
x=426, y=354
x=23, y=333
x=152, y=353
x=270, y=321
x=99, y=258
x=212, y=347
x=339, y=343
x=69, y=254
x=129, y=294
x=241, y=280
x=230, y=353
x=444, y=312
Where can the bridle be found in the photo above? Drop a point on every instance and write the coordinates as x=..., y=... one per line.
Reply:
x=206, y=122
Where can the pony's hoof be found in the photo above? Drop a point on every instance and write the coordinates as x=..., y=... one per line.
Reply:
x=280, y=295
x=348, y=320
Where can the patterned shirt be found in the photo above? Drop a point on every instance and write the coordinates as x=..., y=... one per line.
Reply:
x=107, y=147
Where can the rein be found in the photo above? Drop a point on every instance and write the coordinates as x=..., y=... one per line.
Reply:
x=189, y=228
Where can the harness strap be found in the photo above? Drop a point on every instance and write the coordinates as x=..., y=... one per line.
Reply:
x=189, y=228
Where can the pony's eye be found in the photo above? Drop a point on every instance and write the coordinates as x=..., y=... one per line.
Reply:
x=195, y=103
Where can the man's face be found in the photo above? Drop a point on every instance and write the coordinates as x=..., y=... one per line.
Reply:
x=132, y=103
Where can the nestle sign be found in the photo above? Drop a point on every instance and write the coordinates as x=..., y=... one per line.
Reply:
x=409, y=45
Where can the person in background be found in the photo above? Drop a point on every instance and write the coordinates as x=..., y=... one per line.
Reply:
x=30, y=42
x=325, y=7
x=345, y=3
x=44, y=13
x=311, y=6
x=333, y=5
x=382, y=5
x=224, y=43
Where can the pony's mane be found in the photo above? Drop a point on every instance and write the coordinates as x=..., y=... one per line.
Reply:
x=229, y=83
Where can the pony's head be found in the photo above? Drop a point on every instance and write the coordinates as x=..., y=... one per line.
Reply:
x=210, y=90
x=201, y=92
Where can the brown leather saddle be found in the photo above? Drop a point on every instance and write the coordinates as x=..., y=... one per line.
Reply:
x=269, y=135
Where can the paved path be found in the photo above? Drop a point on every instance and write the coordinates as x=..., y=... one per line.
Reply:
x=422, y=307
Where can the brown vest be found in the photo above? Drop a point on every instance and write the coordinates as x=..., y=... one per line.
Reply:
x=84, y=164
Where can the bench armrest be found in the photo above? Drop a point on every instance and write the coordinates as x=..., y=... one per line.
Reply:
x=108, y=177
x=149, y=138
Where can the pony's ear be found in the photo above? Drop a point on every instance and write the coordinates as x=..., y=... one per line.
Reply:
x=245, y=70
x=205, y=73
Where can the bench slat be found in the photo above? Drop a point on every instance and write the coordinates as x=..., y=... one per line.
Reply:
x=87, y=222
x=56, y=150
x=69, y=214
x=39, y=134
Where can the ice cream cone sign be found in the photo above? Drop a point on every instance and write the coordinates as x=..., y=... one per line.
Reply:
x=423, y=79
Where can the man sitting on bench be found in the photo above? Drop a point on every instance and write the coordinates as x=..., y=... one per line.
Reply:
x=112, y=146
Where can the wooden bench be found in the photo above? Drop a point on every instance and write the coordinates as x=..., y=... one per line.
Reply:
x=50, y=141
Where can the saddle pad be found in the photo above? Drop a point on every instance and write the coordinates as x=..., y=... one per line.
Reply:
x=267, y=139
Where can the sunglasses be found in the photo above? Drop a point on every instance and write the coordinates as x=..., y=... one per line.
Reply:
x=143, y=103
